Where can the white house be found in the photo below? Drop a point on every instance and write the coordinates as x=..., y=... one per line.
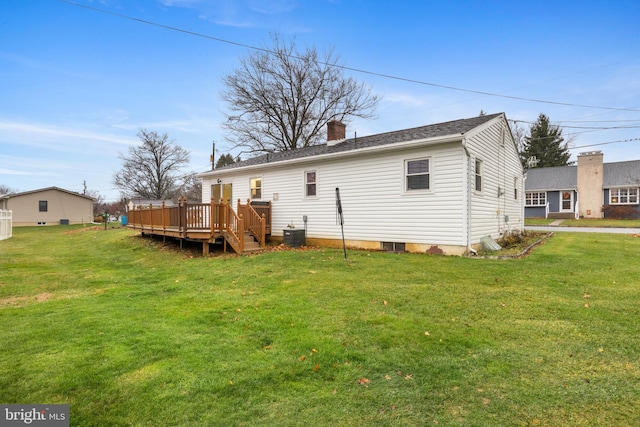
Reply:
x=439, y=188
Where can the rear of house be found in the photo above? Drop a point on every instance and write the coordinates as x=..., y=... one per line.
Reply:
x=438, y=188
x=49, y=206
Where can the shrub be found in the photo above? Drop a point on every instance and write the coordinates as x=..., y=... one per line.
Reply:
x=621, y=212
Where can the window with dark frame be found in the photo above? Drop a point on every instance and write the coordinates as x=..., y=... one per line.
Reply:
x=417, y=175
x=43, y=206
x=310, y=184
x=478, y=173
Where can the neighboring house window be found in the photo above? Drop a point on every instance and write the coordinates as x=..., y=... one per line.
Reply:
x=256, y=188
x=310, y=184
x=43, y=206
x=535, y=199
x=417, y=173
x=623, y=196
x=478, y=175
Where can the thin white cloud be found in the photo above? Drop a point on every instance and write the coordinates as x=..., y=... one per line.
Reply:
x=36, y=134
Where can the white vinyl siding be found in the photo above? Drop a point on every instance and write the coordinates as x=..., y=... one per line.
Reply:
x=376, y=209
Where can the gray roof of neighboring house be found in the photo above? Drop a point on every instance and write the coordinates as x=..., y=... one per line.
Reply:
x=456, y=127
x=554, y=178
x=616, y=174
x=621, y=174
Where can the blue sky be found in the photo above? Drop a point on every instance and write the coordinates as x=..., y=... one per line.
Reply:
x=77, y=84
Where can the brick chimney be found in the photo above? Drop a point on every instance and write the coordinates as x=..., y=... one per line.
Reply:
x=590, y=183
x=336, y=131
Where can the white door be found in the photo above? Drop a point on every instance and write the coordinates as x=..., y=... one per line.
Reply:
x=566, y=201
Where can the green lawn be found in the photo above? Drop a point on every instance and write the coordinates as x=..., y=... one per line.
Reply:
x=129, y=332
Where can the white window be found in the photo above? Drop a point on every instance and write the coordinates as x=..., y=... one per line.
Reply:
x=623, y=196
x=478, y=175
x=310, y=184
x=535, y=198
x=417, y=174
x=256, y=188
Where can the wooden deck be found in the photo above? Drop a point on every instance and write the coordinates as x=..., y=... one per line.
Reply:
x=245, y=229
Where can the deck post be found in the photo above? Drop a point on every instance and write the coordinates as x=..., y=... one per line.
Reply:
x=205, y=248
x=240, y=232
x=151, y=215
x=212, y=217
x=164, y=226
x=263, y=232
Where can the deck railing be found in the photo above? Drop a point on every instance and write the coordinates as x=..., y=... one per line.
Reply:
x=205, y=221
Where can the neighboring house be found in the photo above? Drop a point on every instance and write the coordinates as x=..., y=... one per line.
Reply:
x=437, y=188
x=48, y=206
x=145, y=203
x=582, y=191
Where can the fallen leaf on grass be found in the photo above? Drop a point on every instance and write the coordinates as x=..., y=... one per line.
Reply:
x=385, y=302
x=387, y=377
x=316, y=368
x=302, y=358
x=408, y=377
x=363, y=381
x=427, y=333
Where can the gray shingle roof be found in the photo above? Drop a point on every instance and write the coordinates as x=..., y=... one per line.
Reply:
x=621, y=174
x=456, y=127
x=554, y=178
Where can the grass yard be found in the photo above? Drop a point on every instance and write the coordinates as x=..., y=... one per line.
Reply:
x=130, y=333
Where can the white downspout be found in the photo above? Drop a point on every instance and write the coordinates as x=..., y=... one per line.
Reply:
x=466, y=150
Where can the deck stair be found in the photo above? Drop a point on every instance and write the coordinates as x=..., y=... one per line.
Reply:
x=250, y=244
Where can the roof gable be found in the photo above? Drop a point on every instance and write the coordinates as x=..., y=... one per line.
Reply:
x=42, y=190
x=439, y=130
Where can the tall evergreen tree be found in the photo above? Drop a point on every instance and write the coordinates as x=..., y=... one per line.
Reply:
x=545, y=144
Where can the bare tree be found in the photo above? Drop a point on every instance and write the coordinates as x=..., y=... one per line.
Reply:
x=5, y=189
x=282, y=99
x=192, y=188
x=152, y=170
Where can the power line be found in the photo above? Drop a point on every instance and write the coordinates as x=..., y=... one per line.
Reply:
x=357, y=70
x=605, y=143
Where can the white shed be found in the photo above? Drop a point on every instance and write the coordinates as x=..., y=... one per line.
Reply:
x=438, y=188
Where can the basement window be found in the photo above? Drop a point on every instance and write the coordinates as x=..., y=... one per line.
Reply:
x=393, y=247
